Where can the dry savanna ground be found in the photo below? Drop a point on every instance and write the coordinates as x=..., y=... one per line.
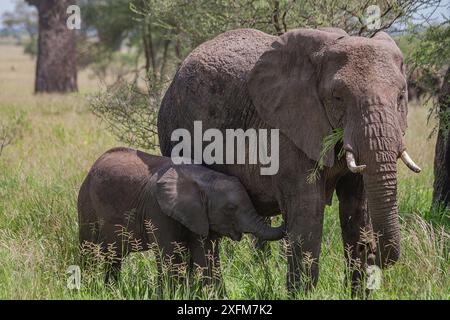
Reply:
x=58, y=139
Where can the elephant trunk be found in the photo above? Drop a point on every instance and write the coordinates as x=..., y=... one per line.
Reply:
x=375, y=147
x=256, y=225
x=381, y=191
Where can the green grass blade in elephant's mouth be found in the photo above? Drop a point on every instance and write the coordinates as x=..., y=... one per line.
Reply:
x=328, y=143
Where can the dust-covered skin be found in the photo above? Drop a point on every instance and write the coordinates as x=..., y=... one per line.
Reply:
x=148, y=199
x=306, y=83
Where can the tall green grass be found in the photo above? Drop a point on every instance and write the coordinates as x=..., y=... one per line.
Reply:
x=39, y=179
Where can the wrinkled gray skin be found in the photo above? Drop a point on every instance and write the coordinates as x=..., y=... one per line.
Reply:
x=187, y=204
x=305, y=83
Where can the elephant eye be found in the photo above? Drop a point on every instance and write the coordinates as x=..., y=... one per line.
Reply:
x=231, y=207
x=401, y=97
x=336, y=96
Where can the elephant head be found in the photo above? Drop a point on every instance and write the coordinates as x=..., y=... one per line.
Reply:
x=312, y=81
x=204, y=200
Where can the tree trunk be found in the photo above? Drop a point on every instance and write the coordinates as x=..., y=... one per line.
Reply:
x=56, y=69
x=441, y=192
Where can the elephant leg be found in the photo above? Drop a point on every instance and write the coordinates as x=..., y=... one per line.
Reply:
x=113, y=252
x=159, y=289
x=113, y=272
x=171, y=264
x=88, y=236
x=304, y=211
x=356, y=228
x=205, y=262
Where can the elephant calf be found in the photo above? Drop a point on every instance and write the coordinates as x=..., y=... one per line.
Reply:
x=131, y=200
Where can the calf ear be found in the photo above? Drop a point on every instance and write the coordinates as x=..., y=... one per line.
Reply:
x=180, y=198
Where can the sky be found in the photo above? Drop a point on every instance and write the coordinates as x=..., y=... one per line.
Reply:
x=8, y=5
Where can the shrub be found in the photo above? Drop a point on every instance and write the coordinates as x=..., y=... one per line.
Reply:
x=130, y=112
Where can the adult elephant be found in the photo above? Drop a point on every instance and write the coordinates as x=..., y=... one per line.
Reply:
x=306, y=83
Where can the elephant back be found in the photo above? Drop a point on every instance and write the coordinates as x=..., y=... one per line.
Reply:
x=233, y=53
x=210, y=85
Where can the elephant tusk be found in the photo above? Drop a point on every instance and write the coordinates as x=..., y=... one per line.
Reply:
x=409, y=162
x=351, y=163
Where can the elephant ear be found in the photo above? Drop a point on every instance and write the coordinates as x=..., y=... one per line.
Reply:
x=390, y=42
x=283, y=88
x=179, y=197
x=381, y=35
